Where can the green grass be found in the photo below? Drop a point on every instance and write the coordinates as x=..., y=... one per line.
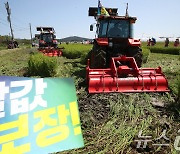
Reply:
x=168, y=50
x=43, y=66
x=170, y=65
x=146, y=53
x=122, y=116
x=178, y=85
x=14, y=61
x=73, y=51
x=159, y=44
x=111, y=122
x=159, y=48
x=3, y=47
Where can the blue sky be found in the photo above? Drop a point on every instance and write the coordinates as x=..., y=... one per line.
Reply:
x=70, y=17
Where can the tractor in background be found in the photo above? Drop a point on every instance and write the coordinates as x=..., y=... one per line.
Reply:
x=12, y=44
x=48, y=44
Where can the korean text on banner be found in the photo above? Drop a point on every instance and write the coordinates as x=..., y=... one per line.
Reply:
x=38, y=115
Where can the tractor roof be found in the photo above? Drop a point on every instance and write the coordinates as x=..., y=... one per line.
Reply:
x=94, y=10
x=45, y=29
x=133, y=19
x=37, y=35
x=112, y=12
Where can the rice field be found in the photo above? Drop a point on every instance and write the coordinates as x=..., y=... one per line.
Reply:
x=111, y=122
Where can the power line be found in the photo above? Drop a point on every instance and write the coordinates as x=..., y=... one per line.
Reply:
x=20, y=30
x=2, y=12
x=19, y=20
x=16, y=26
x=2, y=21
x=19, y=26
x=3, y=24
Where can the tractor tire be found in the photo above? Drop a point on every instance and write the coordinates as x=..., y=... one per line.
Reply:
x=136, y=52
x=89, y=55
x=97, y=58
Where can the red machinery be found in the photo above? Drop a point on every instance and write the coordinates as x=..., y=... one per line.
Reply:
x=116, y=57
x=48, y=44
x=125, y=76
x=51, y=52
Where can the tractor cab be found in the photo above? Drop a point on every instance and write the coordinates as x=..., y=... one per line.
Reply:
x=47, y=37
x=116, y=57
x=115, y=27
x=117, y=32
x=114, y=38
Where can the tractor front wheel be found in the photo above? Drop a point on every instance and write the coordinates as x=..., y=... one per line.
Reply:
x=97, y=58
x=136, y=52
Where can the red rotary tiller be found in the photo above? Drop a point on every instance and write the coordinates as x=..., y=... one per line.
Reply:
x=51, y=51
x=125, y=76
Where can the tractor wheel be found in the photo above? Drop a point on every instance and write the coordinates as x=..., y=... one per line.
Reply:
x=97, y=58
x=89, y=55
x=136, y=52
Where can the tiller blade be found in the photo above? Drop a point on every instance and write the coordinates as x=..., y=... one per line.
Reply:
x=125, y=76
x=51, y=52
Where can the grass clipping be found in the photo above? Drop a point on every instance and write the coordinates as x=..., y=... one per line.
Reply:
x=43, y=66
x=145, y=56
x=170, y=50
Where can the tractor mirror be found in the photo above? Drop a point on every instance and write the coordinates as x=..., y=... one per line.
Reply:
x=91, y=27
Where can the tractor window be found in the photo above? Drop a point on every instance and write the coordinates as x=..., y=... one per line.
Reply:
x=102, y=28
x=47, y=37
x=118, y=28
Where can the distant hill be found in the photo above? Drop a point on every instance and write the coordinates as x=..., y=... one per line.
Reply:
x=74, y=39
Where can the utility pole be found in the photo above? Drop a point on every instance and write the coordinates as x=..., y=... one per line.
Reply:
x=127, y=14
x=30, y=32
x=9, y=18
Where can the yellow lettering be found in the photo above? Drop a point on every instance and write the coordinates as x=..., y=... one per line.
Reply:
x=62, y=114
x=21, y=124
x=45, y=118
x=44, y=138
x=74, y=113
x=75, y=117
x=9, y=148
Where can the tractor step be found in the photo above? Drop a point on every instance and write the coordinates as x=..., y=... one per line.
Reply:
x=125, y=78
x=51, y=52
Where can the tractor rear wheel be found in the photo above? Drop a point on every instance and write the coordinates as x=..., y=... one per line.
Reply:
x=136, y=52
x=97, y=57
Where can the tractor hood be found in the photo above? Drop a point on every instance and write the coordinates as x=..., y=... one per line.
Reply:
x=132, y=19
x=107, y=41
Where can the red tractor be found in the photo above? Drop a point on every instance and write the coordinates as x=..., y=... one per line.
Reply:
x=12, y=44
x=47, y=42
x=114, y=39
x=114, y=61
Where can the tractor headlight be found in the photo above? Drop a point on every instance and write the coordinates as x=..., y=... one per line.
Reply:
x=110, y=44
x=41, y=42
x=55, y=42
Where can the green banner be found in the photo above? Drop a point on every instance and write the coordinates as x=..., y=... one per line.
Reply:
x=38, y=115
